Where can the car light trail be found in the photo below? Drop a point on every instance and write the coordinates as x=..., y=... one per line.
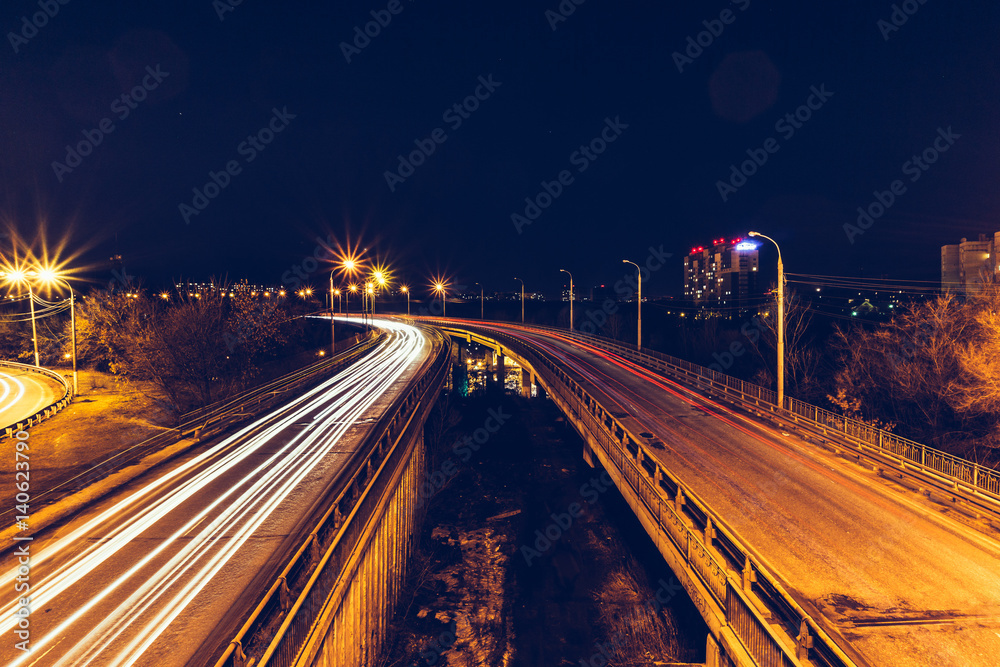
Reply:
x=149, y=593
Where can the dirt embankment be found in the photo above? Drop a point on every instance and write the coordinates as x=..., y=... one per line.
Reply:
x=528, y=557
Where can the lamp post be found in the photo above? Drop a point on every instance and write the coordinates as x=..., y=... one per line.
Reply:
x=347, y=300
x=639, y=271
x=333, y=333
x=18, y=276
x=49, y=277
x=406, y=291
x=522, y=300
x=442, y=288
x=482, y=301
x=781, y=322
x=570, y=297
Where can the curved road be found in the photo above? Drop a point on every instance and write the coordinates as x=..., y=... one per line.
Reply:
x=900, y=579
x=165, y=569
x=23, y=393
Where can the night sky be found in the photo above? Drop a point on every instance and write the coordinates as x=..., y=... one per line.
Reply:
x=885, y=93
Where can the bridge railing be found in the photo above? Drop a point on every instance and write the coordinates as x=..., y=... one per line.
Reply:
x=276, y=631
x=742, y=588
x=43, y=413
x=958, y=471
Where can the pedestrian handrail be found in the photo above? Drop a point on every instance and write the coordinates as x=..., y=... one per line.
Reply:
x=44, y=413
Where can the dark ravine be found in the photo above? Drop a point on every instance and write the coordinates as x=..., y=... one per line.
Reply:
x=588, y=588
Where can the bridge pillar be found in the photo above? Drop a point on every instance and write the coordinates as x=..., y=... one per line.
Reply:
x=713, y=656
x=501, y=372
x=526, y=382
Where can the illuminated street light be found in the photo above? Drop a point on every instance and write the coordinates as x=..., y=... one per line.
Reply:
x=49, y=277
x=19, y=276
x=639, y=278
x=406, y=291
x=442, y=289
x=781, y=322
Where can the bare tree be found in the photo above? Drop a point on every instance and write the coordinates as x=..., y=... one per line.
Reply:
x=802, y=359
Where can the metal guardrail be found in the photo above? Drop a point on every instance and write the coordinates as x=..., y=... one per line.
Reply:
x=44, y=413
x=728, y=571
x=277, y=629
x=219, y=416
x=958, y=471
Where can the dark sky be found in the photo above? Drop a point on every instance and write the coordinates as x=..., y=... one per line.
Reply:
x=655, y=185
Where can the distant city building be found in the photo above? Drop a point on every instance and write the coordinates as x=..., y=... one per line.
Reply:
x=723, y=275
x=967, y=265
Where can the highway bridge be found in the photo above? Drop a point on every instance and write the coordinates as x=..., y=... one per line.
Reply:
x=802, y=538
x=799, y=541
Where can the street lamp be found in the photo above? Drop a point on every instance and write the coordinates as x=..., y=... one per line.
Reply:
x=570, y=297
x=482, y=301
x=442, y=289
x=522, y=300
x=781, y=322
x=19, y=276
x=333, y=333
x=49, y=277
x=625, y=261
x=406, y=291
x=347, y=300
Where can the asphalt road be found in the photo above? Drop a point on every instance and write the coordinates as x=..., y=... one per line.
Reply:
x=900, y=579
x=23, y=393
x=159, y=572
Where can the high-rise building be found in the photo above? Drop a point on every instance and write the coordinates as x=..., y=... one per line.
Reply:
x=723, y=275
x=967, y=265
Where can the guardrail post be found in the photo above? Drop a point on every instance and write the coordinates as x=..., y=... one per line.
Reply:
x=239, y=657
x=803, y=642
x=284, y=597
x=679, y=501
x=314, y=553
x=749, y=576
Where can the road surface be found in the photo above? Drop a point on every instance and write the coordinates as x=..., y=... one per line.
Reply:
x=166, y=569
x=23, y=393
